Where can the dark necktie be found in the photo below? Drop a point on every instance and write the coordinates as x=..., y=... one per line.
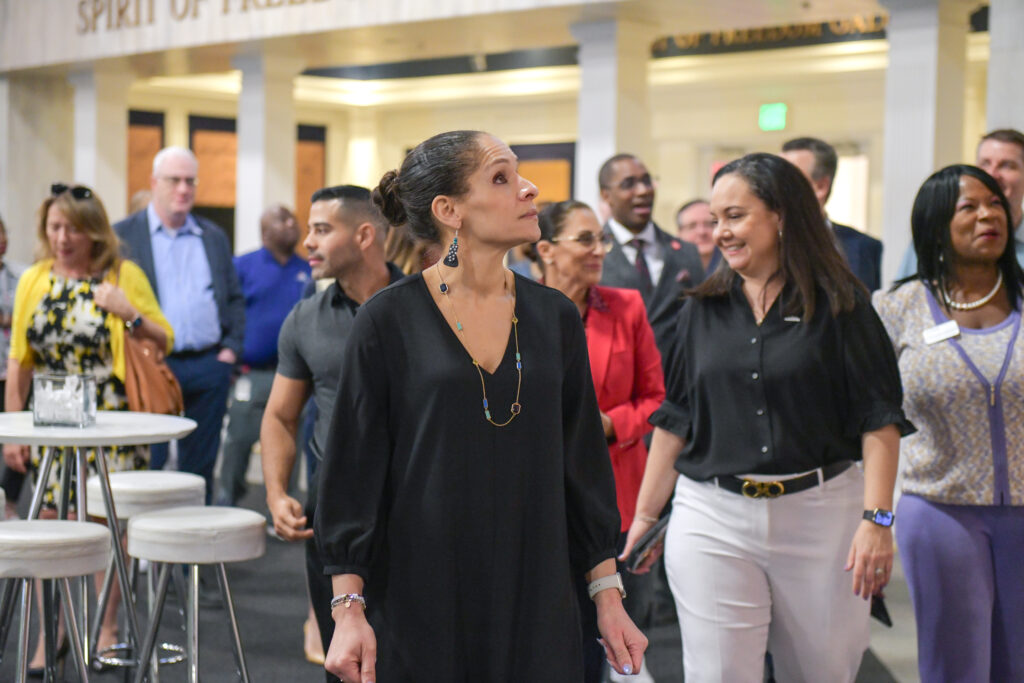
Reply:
x=646, y=285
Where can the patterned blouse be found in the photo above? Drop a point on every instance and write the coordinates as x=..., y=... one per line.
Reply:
x=966, y=396
x=67, y=333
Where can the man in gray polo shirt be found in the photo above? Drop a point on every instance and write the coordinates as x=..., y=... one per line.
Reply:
x=345, y=242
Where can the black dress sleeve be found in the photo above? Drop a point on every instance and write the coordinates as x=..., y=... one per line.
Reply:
x=674, y=414
x=593, y=515
x=873, y=385
x=352, y=506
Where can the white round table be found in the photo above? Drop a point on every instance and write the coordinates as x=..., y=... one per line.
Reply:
x=112, y=428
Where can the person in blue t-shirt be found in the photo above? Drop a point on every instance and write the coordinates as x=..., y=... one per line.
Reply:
x=272, y=280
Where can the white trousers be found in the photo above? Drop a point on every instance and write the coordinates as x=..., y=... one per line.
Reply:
x=754, y=575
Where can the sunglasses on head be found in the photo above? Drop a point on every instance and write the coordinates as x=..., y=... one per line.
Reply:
x=77, y=192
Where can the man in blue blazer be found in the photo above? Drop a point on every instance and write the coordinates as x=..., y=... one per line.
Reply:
x=188, y=261
x=818, y=160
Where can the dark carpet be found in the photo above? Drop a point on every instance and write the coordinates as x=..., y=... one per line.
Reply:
x=270, y=601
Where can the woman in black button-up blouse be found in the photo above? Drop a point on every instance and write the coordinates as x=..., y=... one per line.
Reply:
x=781, y=376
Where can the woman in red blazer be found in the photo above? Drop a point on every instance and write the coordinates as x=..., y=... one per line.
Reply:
x=624, y=361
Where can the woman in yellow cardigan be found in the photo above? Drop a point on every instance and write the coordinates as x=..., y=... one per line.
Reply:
x=72, y=310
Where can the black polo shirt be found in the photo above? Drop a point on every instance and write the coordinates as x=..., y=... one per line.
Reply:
x=777, y=398
x=310, y=344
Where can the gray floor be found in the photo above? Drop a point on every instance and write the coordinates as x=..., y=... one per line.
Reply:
x=270, y=602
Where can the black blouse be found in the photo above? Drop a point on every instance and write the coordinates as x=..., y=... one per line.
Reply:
x=470, y=537
x=779, y=398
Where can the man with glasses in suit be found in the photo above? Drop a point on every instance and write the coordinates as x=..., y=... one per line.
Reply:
x=188, y=261
x=643, y=256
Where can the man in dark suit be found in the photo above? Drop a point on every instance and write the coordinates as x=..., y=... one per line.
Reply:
x=643, y=256
x=818, y=160
x=187, y=259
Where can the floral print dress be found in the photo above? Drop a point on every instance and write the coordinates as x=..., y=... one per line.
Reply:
x=68, y=334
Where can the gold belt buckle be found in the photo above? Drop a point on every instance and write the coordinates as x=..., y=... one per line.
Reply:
x=762, y=489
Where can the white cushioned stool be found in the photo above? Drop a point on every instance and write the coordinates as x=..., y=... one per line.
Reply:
x=145, y=491
x=195, y=535
x=134, y=493
x=51, y=549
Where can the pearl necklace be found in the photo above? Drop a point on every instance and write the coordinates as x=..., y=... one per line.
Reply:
x=516, y=406
x=957, y=306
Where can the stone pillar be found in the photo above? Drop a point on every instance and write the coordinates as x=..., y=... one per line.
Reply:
x=101, y=133
x=613, y=112
x=924, y=108
x=35, y=150
x=266, y=142
x=363, y=165
x=1005, y=99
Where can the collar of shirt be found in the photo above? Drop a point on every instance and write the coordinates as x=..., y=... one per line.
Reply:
x=622, y=234
x=339, y=298
x=191, y=226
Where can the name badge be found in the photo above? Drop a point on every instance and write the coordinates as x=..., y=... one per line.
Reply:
x=791, y=319
x=947, y=330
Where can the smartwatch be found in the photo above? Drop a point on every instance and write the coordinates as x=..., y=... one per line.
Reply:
x=605, y=582
x=880, y=517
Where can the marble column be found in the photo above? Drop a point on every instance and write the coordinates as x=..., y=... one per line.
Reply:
x=266, y=142
x=613, y=112
x=36, y=143
x=924, y=108
x=101, y=133
x=1005, y=98
x=363, y=165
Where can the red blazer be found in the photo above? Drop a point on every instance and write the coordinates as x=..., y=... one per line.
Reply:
x=628, y=379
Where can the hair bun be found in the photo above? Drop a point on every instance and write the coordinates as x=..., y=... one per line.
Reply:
x=385, y=196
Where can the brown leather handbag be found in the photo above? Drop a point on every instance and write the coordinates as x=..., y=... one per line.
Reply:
x=149, y=384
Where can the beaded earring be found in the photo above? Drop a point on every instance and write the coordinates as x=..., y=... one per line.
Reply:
x=452, y=259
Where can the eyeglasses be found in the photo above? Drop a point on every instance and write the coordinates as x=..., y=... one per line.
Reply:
x=627, y=184
x=175, y=180
x=77, y=192
x=587, y=239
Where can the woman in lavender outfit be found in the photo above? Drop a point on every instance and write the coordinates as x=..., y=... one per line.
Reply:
x=955, y=326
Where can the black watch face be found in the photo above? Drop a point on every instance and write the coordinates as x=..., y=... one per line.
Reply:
x=883, y=517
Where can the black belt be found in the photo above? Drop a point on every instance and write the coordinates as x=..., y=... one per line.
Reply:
x=774, y=489
x=193, y=353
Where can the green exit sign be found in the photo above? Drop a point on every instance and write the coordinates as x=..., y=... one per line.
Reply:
x=772, y=116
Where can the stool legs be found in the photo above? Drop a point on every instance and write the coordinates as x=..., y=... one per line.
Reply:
x=225, y=589
x=7, y=602
x=26, y=611
x=192, y=624
x=154, y=625
x=115, y=537
x=72, y=628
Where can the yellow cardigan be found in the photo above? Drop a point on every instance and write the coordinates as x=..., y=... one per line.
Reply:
x=35, y=283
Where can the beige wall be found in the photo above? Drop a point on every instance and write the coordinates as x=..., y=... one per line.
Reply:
x=704, y=108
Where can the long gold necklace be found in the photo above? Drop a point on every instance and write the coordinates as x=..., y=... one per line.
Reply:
x=516, y=406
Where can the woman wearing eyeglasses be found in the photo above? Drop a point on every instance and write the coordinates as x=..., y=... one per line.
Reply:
x=72, y=310
x=624, y=362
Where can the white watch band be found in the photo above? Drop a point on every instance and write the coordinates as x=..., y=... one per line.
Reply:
x=605, y=582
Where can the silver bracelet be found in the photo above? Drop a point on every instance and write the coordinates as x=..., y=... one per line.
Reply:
x=347, y=600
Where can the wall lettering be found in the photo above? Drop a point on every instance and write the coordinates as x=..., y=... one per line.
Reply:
x=116, y=15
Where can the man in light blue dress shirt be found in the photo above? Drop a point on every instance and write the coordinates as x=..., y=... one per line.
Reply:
x=188, y=261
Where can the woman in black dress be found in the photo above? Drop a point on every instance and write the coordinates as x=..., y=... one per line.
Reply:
x=466, y=483
x=780, y=378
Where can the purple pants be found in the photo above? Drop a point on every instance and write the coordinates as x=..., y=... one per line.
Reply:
x=965, y=567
